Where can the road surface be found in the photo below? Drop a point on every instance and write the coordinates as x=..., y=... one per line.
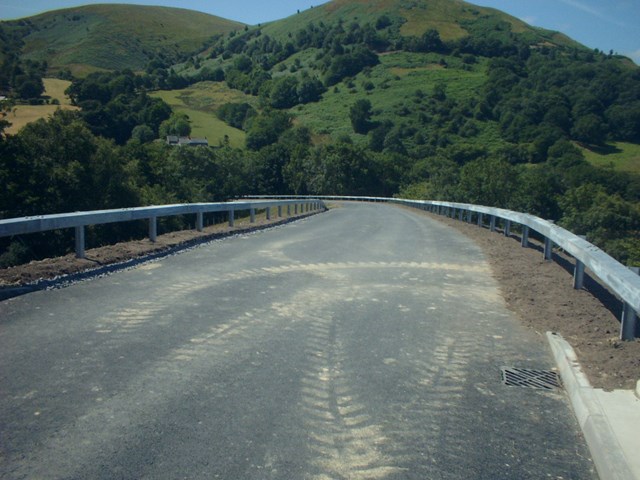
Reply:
x=362, y=343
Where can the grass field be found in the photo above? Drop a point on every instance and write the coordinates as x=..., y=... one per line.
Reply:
x=200, y=102
x=20, y=115
x=54, y=89
x=620, y=156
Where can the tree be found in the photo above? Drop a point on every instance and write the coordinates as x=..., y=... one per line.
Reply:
x=540, y=188
x=430, y=41
x=350, y=64
x=589, y=129
x=310, y=89
x=266, y=128
x=284, y=92
x=29, y=88
x=383, y=22
x=177, y=124
x=488, y=181
x=341, y=169
x=360, y=115
x=606, y=220
x=143, y=134
x=624, y=121
x=236, y=114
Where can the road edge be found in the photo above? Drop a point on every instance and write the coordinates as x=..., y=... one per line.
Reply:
x=603, y=443
x=64, y=280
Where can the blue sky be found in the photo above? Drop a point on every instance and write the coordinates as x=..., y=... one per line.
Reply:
x=603, y=24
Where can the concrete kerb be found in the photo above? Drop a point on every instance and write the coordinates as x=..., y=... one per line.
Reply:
x=604, y=443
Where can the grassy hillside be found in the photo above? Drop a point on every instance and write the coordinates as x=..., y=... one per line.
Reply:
x=200, y=102
x=97, y=37
x=393, y=85
x=621, y=156
x=450, y=17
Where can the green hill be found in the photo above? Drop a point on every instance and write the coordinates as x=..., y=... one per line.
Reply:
x=97, y=37
x=453, y=19
x=391, y=85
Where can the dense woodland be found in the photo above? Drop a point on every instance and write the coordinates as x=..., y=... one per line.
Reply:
x=542, y=101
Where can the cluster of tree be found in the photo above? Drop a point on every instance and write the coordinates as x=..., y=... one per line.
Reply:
x=21, y=79
x=113, y=104
x=346, y=51
x=587, y=200
x=542, y=99
x=534, y=103
x=288, y=91
x=236, y=114
x=60, y=165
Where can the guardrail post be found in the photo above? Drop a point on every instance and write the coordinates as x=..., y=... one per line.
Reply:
x=469, y=216
x=252, y=214
x=279, y=210
x=507, y=228
x=548, y=249
x=480, y=219
x=232, y=218
x=199, y=221
x=288, y=210
x=524, y=241
x=629, y=317
x=79, y=242
x=295, y=209
x=153, y=229
x=578, y=271
x=492, y=224
x=268, y=213
x=578, y=275
x=460, y=214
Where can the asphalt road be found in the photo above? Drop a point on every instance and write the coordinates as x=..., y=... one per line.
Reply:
x=362, y=343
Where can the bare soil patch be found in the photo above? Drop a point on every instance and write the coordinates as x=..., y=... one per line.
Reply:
x=541, y=294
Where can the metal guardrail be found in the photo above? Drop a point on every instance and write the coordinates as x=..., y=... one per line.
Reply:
x=621, y=280
x=624, y=282
x=80, y=220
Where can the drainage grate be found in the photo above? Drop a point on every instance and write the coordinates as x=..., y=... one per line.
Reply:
x=524, y=377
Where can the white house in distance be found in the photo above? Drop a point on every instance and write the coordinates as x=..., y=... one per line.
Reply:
x=191, y=142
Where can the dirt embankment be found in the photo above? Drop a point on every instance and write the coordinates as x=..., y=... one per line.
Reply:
x=541, y=293
x=96, y=258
